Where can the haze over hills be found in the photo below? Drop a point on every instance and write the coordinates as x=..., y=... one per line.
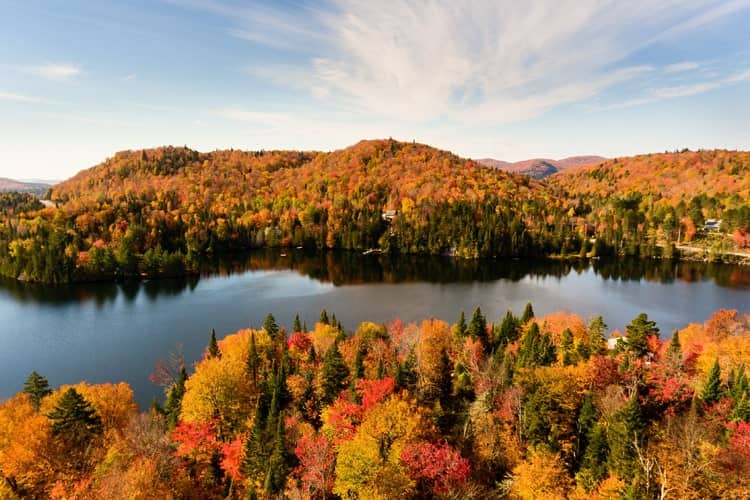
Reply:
x=539, y=168
x=23, y=187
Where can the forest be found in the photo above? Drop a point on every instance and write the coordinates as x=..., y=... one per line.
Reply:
x=166, y=211
x=517, y=407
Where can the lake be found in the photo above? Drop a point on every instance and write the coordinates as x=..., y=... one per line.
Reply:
x=109, y=332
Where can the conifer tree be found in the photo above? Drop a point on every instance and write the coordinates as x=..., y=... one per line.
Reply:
x=478, y=328
x=740, y=386
x=324, y=317
x=37, y=387
x=334, y=373
x=270, y=326
x=584, y=426
x=712, y=389
x=527, y=353
x=595, y=459
x=674, y=350
x=566, y=345
x=528, y=313
x=173, y=404
x=626, y=430
x=359, y=366
x=638, y=331
x=74, y=420
x=461, y=325
x=297, y=327
x=213, y=346
x=508, y=331
x=597, y=336
x=406, y=373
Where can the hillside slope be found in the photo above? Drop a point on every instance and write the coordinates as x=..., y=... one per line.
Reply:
x=157, y=211
x=7, y=185
x=539, y=168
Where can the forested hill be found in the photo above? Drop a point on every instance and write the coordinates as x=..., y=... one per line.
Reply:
x=673, y=176
x=157, y=211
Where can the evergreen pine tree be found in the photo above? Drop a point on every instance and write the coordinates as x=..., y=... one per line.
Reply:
x=405, y=376
x=359, y=366
x=37, y=387
x=173, y=404
x=712, y=388
x=461, y=325
x=638, y=331
x=527, y=355
x=597, y=336
x=528, y=314
x=595, y=458
x=270, y=326
x=334, y=373
x=478, y=328
x=508, y=331
x=324, y=317
x=674, y=349
x=75, y=420
x=546, y=353
x=213, y=346
x=297, y=327
x=566, y=346
x=584, y=426
x=739, y=388
x=626, y=430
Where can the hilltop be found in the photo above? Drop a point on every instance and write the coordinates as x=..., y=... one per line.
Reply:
x=37, y=188
x=539, y=168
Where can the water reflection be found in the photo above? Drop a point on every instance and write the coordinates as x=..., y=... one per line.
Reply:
x=348, y=268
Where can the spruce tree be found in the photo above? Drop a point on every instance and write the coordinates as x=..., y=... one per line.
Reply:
x=712, y=388
x=527, y=356
x=584, y=426
x=674, y=350
x=595, y=459
x=173, y=404
x=334, y=373
x=597, y=336
x=566, y=346
x=528, y=313
x=638, y=331
x=478, y=328
x=625, y=432
x=740, y=387
x=37, y=387
x=359, y=366
x=297, y=327
x=75, y=420
x=461, y=326
x=406, y=373
x=270, y=326
x=213, y=346
x=508, y=331
x=324, y=317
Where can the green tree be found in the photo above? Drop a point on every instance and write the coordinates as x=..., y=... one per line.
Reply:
x=333, y=374
x=528, y=313
x=478, y=328
x=566, y=346
x=213, y=346
x=297, y=327
x=712, y=388
x=270, y=326
x=75, y=421
x=173, y=404
x=461, y=325
x=324, y=317
x=37, y=387
x=508, y=330
x=637, y=332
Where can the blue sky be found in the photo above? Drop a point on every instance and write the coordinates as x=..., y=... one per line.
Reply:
x=511, y=80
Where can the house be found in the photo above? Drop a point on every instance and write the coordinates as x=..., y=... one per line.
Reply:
x=389, y=215
x=712, y=225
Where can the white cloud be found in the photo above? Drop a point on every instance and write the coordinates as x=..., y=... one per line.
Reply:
x=495, y=61
x=55, y=71
x=681, y=67
x=131, y=76
x=12, y=96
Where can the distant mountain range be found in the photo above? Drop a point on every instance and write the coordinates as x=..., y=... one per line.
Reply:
x=37, y=187
x=539, y=168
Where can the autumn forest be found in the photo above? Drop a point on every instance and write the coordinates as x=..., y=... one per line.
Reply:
x=517, y=406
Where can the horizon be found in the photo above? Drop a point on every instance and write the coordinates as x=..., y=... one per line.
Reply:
x=507, y=81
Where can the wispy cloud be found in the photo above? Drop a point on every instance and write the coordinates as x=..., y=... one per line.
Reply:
x=53, y=71
x=131, y=76
x=687, y=90
x=494, y=61
x=681, y=67
x=13, y=96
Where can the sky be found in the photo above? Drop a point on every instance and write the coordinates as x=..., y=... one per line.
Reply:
x=82, y=79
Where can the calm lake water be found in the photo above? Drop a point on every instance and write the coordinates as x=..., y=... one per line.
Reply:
x=109, y=332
